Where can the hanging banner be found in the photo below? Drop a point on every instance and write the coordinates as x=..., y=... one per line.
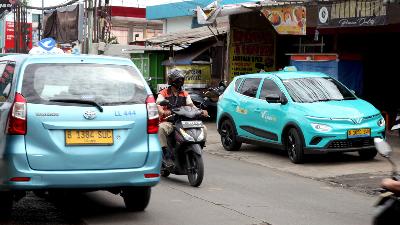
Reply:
x=287, y=19
x=353, y=13
x=251, y=51
x=196, y=76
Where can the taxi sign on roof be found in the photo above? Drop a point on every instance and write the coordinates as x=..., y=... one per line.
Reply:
x=46, y=46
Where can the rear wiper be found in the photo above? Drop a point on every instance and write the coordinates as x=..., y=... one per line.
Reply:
x=81, y=101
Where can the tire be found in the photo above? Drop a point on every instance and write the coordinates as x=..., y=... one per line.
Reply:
x=294, y=146
x=136, y=198
x=367, y=154
x=196, y=171
x=164, y=172
x=228, y=136
x=6, y=205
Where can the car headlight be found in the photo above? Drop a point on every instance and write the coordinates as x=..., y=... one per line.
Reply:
x=321, y=127
x=381, y=122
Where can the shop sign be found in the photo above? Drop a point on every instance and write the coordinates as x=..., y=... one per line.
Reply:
x=251, y=51
x=196, y=76
x=353, y=13
x=287, y=19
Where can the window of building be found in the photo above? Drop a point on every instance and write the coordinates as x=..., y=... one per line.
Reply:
x=121, y=33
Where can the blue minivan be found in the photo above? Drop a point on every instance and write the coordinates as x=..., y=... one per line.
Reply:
x=76, y=122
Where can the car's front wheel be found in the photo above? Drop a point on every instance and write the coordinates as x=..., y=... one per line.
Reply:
x=294, y=146
x=367, y=154
x=228, y=136
x=136, y=198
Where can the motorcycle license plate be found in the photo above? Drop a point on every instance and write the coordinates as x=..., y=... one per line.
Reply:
x=364, y=132
x=192, y=124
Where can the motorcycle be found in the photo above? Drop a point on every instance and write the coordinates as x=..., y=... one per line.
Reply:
x=209, y=98
x=186, y=144
x=387, y=209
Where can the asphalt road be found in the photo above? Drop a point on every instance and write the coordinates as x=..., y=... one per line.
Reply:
x=253, y=186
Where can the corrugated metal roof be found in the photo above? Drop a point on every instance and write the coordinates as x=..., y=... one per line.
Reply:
x=185, y=38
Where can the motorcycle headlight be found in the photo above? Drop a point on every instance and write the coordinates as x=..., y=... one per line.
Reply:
x=186, y=135
x=381, y=122
x=201, y=136
x=321, y=127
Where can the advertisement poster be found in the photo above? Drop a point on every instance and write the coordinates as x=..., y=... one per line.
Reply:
x=196, y=76
x=287, y=19
x=251, y=51
x=353, y=13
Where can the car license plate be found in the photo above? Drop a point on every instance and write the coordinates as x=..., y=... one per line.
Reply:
x=89, y=137
x=364, y=132
x=192, y=124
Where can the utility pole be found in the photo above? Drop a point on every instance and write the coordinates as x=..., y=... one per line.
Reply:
x=90, y=25
x=42, y=21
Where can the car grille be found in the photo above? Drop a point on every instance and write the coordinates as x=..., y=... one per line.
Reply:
x=352, y=143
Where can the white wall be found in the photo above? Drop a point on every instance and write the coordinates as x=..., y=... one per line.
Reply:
x=177, y=24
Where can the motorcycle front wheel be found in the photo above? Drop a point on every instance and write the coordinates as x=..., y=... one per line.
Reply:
x=195, y=169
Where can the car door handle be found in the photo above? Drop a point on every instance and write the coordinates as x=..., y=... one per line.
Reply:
x=257, y=110
x=234, y=104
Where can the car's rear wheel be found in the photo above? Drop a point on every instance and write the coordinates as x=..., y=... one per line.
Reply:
x=367, y=154
x=136, y=198
x=228, y=136
x=6, y=204
x=294, y=146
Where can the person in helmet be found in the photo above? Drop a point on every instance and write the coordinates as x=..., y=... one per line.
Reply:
x=177, y=97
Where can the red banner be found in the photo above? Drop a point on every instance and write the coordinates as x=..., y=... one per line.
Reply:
x=10, y=38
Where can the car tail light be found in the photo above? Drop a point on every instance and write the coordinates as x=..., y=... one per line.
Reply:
x=151, y=175
x=152, y=115
x=20, y=179
x=17, y=118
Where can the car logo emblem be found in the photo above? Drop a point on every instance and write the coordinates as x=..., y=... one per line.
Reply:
x=89, y=115
x=357, y=120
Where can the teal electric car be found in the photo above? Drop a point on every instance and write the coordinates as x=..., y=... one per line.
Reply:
x=76, y=122
x=300, y=112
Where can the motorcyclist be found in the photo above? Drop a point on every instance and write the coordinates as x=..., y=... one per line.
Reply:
x=177, y=98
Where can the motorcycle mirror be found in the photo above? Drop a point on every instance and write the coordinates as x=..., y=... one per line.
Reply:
x=383, y=147
x=164, y=103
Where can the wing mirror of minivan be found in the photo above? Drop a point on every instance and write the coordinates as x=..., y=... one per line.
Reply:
x=275, y=98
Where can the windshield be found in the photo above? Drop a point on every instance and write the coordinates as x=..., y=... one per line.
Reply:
x=315, y=89
x=102, y=84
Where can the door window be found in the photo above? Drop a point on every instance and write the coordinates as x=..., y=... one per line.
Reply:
x=7, y=73
x=237, y=83
x=250, y=87
x=269, y=87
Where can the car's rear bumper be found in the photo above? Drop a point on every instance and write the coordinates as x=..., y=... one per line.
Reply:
x=14, y=164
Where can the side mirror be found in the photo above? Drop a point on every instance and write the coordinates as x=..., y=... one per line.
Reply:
x=275, y=98
x=164, y=103
x=383, y=147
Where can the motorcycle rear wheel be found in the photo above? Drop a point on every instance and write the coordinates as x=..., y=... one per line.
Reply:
x=195, y=169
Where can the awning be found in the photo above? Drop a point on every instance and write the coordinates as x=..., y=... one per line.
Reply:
x=184, y=39
x=186, y=58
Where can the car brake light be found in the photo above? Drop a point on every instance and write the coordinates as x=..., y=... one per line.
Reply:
x=152, y=115
x=20, y=179
x=17, y=118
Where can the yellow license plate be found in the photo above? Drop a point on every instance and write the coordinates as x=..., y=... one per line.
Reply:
x=364, y=132
x=89, y=137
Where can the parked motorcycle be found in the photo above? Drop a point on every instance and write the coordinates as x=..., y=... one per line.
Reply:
x=209, y=98
x=186, y=144
x=387, y=209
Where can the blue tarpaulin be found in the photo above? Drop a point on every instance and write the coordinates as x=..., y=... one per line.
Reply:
x=348, y=72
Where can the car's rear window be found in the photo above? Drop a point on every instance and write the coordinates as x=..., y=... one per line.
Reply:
x=105, y=84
